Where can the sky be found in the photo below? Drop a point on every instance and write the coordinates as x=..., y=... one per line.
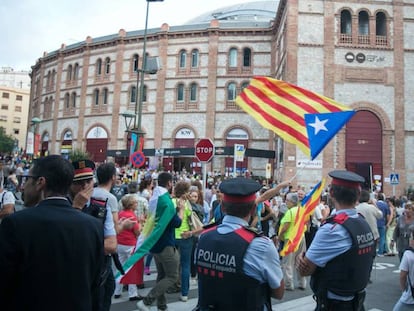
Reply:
x=30, y=27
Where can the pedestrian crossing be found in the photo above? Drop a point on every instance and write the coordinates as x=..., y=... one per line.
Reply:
x=305, y=303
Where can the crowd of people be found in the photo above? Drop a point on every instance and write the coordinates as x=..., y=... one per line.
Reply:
x=91, y=218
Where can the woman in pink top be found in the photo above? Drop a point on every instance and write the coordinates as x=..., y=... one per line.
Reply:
x=127, y=239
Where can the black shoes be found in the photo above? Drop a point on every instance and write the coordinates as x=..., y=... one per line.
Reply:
x=135, y=298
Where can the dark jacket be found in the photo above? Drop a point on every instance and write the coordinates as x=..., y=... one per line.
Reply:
x=50, y=258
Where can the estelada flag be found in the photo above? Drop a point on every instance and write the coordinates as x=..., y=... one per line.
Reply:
x=305, y=210
x=299, y=116
x=161, y=211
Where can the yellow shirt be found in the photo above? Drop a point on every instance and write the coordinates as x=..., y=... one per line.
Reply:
x=290, y=218
x=185, y=226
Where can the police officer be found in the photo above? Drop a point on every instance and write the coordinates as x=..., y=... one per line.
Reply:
x=238, y=268
x=341, y=254
x=81, y=195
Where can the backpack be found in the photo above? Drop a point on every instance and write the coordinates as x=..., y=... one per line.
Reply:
x=96, y=208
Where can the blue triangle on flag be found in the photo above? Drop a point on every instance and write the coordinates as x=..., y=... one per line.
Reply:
x=321, y=127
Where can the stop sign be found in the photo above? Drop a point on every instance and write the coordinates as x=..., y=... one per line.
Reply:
x=204, y=150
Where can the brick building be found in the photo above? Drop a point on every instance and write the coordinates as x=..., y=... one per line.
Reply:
x=360, y=54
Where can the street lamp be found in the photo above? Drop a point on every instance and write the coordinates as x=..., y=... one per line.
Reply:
x=140, y=83
x=129, y=117
x=34, y=122
x=33, y=140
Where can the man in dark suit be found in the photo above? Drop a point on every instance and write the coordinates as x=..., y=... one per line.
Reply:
x=50, y=253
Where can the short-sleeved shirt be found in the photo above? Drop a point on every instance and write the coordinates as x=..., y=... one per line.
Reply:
x=111, y=206
x=331, y=240
x=6, y=197
x=289, y=217
x=385, y=212
x=407, y=264
x=185, y=226
x=261, y=260
x=127, y=236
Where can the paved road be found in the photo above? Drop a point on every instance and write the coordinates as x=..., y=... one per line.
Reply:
x=381, y=294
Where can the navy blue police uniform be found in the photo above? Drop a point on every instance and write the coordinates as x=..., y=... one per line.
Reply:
x=342, y=271
x=236, y=265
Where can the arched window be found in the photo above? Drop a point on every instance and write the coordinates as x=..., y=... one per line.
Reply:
x=107, y=65
x=363, y=23
x=99, y=67
x=193, y=92
x=69, y=73
x=231, y=91
x=73, y=100
x=247, y=54
x=380, y=24
x=183, y=58
x=96, y=97
x=76, y=72
x=133, y=96
x=381, y=28
x=53, y=77
x=144, y=93
x=135, y=60
x=180, y=92
x=67, y=100
x=194, y=58
x=48, y=79
x=346, y=22
x=233, y=57
x=105, y=96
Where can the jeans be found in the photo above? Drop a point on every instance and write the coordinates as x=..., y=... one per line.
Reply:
x=381, y=243
x=148, y=259
x=185, y=247
x=167, y=267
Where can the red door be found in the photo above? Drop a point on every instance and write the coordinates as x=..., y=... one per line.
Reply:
x=364, y=146
x=97, y=148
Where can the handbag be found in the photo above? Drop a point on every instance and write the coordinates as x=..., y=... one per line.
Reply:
x=195, y=222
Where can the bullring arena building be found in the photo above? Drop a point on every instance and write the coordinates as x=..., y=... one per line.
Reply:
x=360, y=53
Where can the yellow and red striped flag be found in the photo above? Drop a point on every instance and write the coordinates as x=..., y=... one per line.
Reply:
x=299, y=116
x=305, y=210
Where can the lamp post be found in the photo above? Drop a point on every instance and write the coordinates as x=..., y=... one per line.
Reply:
x=139, y=97
x=32, y=145
x=140, y=80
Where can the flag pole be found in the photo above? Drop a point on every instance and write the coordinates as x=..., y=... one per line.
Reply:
x=297, y=172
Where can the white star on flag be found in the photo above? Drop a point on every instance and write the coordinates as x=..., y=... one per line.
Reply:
x=319, y=125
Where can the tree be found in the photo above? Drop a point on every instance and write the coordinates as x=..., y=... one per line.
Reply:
x=6, y=141
x=77, y=155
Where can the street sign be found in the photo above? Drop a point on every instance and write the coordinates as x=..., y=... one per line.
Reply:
x=239, y=152
x=204, y=150
x=394, y=179
x=137, y=159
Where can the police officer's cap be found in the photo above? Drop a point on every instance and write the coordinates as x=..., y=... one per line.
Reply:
x=83, y=169
x=239, y=190
x=346, y=179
